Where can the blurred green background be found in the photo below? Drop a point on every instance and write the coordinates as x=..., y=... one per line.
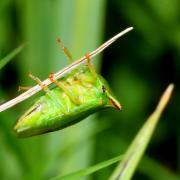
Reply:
x=138, y=67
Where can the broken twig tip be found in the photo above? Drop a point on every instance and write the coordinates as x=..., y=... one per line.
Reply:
x=130, y=28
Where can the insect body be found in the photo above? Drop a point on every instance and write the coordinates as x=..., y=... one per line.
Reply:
x=57, y=109
x=77, y=95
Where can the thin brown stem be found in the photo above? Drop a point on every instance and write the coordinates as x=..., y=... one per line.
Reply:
x=61, y=73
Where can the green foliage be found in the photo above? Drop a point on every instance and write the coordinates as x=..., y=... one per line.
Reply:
x=135, y=151
x=10, y=56
x=126, y=168
x=138, y=68
x=90, y=170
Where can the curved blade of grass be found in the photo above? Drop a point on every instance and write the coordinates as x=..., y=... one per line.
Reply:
x=10, y=56
x=84, y=172
x=126, y=168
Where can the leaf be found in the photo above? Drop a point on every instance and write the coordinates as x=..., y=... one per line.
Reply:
x=90, y=170
x=126, y=168
x=10, y=56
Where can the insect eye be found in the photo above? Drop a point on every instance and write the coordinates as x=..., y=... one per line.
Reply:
x=103, y=89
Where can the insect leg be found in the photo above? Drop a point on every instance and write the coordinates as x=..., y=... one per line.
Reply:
x=52, y=95
x=43, y=86
x=65, y=50
x=24, y=88
x=90, y=66
x=65, y=89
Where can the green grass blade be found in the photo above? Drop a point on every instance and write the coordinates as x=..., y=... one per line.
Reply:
x=155, y=170
x=90, y=170
x=126, y=168
x=10, y=56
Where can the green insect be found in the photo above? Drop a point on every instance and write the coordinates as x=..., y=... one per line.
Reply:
x=77, y=95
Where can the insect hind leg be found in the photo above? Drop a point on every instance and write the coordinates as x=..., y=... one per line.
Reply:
x=65, y=50
x=73, y=98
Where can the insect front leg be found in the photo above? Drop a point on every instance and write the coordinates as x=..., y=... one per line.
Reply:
x=73, y=98
x=90, y=66
x=52, y=95
x=43, y=86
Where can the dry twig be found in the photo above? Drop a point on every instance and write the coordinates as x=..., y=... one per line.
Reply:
x=61, y=73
